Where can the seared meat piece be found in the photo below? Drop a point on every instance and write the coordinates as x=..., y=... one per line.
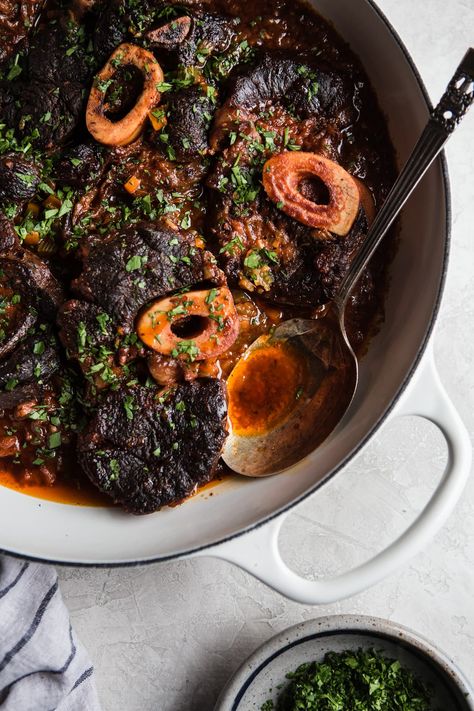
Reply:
x=28, y=350
x=111, y=28
x=19, y=179
x=170, y=35
x=16, y=21
x=148, y=448
x=90, y=337
x=28, y=290
x=35, y=359
x=127, y=270
x=119, y=21
x=79, y=166
x=26, y=372
x=261, y=248
x=335, y=256
x=84, y=327
x=266, y=252
x=8, y=237
x=209, y=33
x=9, y=399
x=168, y=188
x=27, y=275
x=48, y=99
x=190, y=113
x=48, y=60
x=303, y=85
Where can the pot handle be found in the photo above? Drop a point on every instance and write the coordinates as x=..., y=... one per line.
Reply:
x=258, y=552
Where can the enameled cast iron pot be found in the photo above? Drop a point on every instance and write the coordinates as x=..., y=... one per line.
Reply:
x=240, y=522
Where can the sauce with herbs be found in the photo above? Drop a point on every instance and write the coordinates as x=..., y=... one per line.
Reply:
x=263, y=388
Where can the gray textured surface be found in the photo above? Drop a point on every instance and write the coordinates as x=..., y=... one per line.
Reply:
x=166, y=638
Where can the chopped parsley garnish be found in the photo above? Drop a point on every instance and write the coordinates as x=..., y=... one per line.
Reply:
x=38, y=348
x=136, y=262
x=211, y=296
x=54, y=440
x=81, y=336
x=164, y=86
x=186, y=221
x=258, y=257
x=129, y=406
x=352, y=681
x=232, y=245
x=187, y=349
x=253, y=260
x=103, y=320
x=114, y=467
x=179, y=310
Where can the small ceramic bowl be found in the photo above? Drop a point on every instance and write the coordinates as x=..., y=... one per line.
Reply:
x=259, y=677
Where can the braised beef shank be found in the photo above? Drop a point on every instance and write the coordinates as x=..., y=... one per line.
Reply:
x=148, y=448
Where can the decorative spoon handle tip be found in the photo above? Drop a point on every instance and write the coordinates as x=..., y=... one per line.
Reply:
x=453, y=105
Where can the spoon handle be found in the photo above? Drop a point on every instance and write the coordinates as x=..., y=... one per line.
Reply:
x=453, y=105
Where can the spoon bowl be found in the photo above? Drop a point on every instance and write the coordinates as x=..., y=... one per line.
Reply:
x=308, y=410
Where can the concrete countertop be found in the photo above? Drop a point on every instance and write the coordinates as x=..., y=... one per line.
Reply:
x=167, y=637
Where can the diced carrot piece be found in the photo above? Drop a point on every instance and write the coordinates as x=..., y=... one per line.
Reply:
x=33, y=208
x=52, y=201
x=158, y=122
x=32, y=237
x=132, y=184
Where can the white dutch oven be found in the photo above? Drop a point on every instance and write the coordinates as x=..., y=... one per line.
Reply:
x=240, y=523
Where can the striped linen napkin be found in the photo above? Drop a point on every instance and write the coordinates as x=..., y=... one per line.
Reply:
x=43, y=667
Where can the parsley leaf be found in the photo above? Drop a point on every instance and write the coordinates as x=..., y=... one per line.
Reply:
x=135, y=262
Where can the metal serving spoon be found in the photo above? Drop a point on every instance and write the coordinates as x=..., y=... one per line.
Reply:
x=325, y=365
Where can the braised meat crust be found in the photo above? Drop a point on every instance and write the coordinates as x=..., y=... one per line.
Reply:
x=47, y=100
x=16, y=22
x=122, y=273
x=148, y=448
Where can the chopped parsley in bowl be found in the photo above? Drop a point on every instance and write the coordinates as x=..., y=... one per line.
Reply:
x=352, y=681
x=347, y=663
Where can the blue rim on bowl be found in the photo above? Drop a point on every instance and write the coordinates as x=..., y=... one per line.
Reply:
x=261, y=675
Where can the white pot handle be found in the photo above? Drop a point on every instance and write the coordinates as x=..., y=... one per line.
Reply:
x=258, y=552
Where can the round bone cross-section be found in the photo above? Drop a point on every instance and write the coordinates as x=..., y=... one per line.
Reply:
x=283, y=175
x=124, y=131
x=192, y=326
